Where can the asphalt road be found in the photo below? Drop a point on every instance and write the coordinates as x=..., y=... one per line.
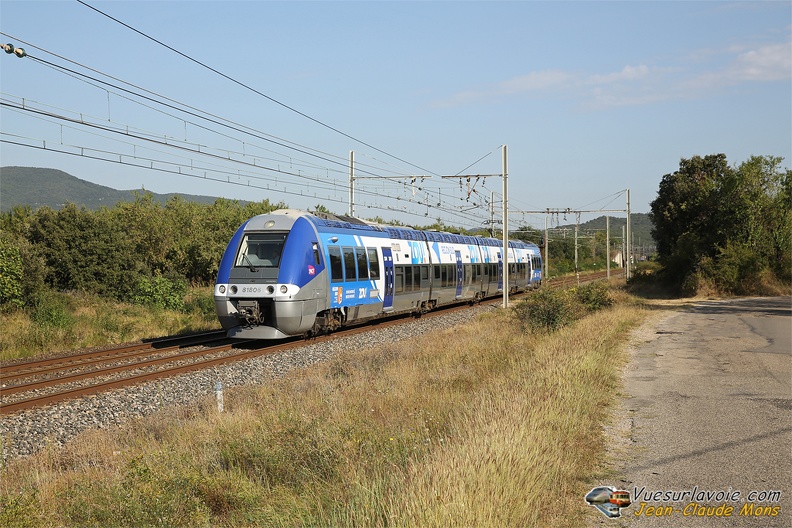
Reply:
x=703, y=436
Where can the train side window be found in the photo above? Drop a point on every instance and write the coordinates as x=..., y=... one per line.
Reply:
x=362, y=263
x=437, y=274
x=424, y=273
x=398, y=279
x=408, y=278
x=349, y=264
x=373, y=258
x=336, y=264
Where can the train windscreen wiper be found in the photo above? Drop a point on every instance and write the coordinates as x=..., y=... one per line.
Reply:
x=251, y=267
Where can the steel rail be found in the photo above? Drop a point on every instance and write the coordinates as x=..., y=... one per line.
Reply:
x=32, y=367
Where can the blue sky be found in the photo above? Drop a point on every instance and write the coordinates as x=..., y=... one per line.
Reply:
x=590, y=98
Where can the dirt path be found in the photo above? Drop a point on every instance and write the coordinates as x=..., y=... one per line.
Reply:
x=704, y=433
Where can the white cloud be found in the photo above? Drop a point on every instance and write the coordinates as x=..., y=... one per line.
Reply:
x=628, y=73
x=523, y=84
x=768, y=63
x=642, y=84
x=534, y=81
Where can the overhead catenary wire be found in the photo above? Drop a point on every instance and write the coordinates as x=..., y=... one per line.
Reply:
x=240, y=83
x=157, y=98
x=180, y=107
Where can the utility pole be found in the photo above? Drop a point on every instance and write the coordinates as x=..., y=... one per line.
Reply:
x=352, y=183
x=492, y=213
x=505, y=249
x=629, y=245
x=577, y=270
x=607, y=245
x=505, y=232
x=547, y=252
x=565, y=212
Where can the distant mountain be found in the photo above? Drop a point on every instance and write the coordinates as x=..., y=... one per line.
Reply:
x=54, y=188
x=640, y=225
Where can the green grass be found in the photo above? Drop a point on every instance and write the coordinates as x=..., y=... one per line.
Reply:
x=58, y=321
x=475, y=426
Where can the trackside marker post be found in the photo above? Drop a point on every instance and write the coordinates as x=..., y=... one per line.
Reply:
x=219, y=393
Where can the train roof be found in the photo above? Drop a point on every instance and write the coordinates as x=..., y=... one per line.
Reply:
x=404, y=233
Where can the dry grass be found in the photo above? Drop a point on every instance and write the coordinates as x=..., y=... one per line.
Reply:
x=78, y=321
x=480, y=426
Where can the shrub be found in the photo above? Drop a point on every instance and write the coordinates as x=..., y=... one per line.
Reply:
x=546, y=310
x=594, y=295
x=52, y=311
x=201, y=302
x=11, y=276
x=160, y=291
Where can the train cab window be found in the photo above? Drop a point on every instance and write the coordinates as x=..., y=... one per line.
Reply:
x=362, y=264
x=316, y=253
x=374, y=272
x=336, y=264
x=349, y=264
x=260, y=250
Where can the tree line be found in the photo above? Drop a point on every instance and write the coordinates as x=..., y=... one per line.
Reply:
x=724, y=227
x=140, y=251
x=713, y=224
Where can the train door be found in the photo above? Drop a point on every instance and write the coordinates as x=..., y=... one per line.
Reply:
x=460, y=275
x=387, y=261
x=500, y=272
x=486, y=279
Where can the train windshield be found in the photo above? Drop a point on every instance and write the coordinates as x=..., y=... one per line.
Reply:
x=260, y=250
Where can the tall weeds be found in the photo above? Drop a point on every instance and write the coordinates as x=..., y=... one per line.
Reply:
x=485, y=425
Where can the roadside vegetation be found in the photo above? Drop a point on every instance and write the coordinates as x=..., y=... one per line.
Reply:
x=504, y=428
x=724, y=229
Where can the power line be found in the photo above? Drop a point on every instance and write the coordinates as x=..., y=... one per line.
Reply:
x=196, y=61
x=161, y=100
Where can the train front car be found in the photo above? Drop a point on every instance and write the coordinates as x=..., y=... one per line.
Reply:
x=272, y=280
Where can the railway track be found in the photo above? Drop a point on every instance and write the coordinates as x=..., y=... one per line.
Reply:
x=36, y=383
x=32, y=384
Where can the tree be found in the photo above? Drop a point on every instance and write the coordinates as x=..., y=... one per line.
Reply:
x=721, y=224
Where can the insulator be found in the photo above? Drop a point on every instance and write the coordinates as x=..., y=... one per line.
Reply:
x=9, y=48
x=20, y=52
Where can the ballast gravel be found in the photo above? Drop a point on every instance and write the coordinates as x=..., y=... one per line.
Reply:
x=26, y=432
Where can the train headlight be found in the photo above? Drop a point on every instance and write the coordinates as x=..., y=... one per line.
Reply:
x=270, y=289
x=221, y=289
x=284, y=288
x=233, y=289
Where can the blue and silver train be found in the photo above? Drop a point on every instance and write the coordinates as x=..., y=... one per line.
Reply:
x=293, y=273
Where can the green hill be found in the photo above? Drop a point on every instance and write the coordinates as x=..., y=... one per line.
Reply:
x=639, y=223
x=54, y=188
